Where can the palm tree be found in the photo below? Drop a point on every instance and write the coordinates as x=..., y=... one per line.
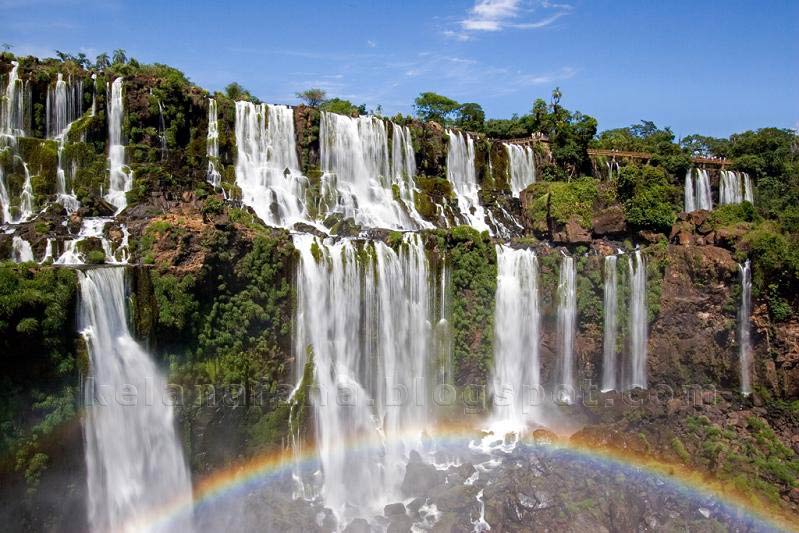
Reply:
x=119, y=56
x=102, y=61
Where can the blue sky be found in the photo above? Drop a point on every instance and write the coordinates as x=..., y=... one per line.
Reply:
x=697, y=66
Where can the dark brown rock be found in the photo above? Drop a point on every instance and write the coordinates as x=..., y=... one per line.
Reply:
x=609, y=221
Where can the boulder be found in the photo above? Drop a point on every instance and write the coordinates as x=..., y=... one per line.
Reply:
x=651, y=237
x=420, y=478
x=572, y=233
x=609, y=221
x=393, y=509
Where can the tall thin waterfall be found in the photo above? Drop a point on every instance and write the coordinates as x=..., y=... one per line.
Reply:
x=567, y=318
x=64, y=106
x=639, y=320
x=461, y=172
x=120, y=177
x=212, y=145
x=134, y=459
x=26, y=197
x=21, y=251
x=609, y=358
x=359, y=176
x=735, y=187
x=443, y=331
x=516, y=379
x=744, y=328
x=522, y=167
x=365, y=318
x=690, y=195
x=267, y=168
x=5, y=200
x=749, y=194
x=12, y=109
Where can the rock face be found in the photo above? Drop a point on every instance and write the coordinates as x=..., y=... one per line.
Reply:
x=609, y=222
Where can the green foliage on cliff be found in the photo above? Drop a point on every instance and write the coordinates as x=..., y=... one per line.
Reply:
x=563, y=201
x=474, y=278
x=648, y=197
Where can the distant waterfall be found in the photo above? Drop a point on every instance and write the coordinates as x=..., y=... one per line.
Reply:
x=5, y=199
x=735, y=187
x=443, y=332
x=638, y=321
x=461, y=172
x=567, y=318
x=120, y=177
x=744, y=328
x=267, y=167
x=64, y=106
x=212, y=145
x=749, y=194
x=697, y=190
x=134, y=459
x=365, y=318
x=359, y=177
x=516, y=378
x=26, y=197
x=21, y=251
x=521, y=162
x=13, y=107
x=609, y=358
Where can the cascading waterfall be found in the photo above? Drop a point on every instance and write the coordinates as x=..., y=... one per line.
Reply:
x=735, y=187
x=267, y=168
x=212, y=145
x=638, y=321
x=48, y=251
x=690, y=195
x=94, y=228
x=461, y=172
x=749, y=194
x=522, y=167
x=5, y=200
x=134, y=459
x=162, y=129
x=63, y=108
x=365, y=318
x=744, y=328
x=697, y=190
x=567, y=318
x=443, y=332
x=359, y=177
x=609, y=358
x=516, y=378
x=121, y=177
x=12, y=110
x=21, y=251
x=26, y=196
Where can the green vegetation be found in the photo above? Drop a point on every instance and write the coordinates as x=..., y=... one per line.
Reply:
x=563, y=201
x=650, y=200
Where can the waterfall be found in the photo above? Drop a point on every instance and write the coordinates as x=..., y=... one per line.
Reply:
x=12, y=111
x=744, y=328
x=638, y=321
x=461, y=172
x=5, y=200
x=516, y=376
x=360, y=175
x=267, y=168
x=521, y=163
x=121, y=178
x=212, y=145
x=48, y=251
x=730, y=189
x=609, y=363
x=94, y=228
x=26, y=196
x=690, y=195
x=365, y=318
x=567, y=318
x=161, y=128
x=443, y=333
x=134, y=459
x=21, y=251
x=749, y=194
x=93, y=110
x=63, y=108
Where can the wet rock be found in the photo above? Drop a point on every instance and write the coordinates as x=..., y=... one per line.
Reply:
x=400, y=524
x=572, y=233
x=420, y=478
x=307, y=228
x=393, y=509
x=359, y=525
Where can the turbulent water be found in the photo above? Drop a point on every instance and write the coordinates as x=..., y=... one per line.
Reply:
x=21, y=251
x=365, y=317
x=212, y=145
x=521, y=163
x=609, y=354
x=134, y=459
x=461, y=172
x=567, y=317
x=120, y=177
x=744, y=328
x=516, y=336
x=639, y=320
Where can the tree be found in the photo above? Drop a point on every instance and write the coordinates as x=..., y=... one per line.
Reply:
x=120, y=57
x=312, y=97
x=342, y=107
x=435, y=107
x=102, y=61
x=234, y=91
x=471, y=117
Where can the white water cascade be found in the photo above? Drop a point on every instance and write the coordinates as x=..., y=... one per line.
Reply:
x=26, y=196
x=365, y=317
x=697, y=190
x=522, y=167
x=735, y=187
x=744, y=328
x=212, y=145
x=94, y=228
x=21, y=251
x=749, y=193
x=267, y=169
x=120, y=176
x=13, y=107
x=567, y=319
x=639, y=320
x=516, y=379
x=63, y=108
x=609, y=356
x=359, y=176
x=134, y=460
x=461, y=172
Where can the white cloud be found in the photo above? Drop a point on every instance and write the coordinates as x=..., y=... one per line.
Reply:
x=499, y=15
x=371, y=44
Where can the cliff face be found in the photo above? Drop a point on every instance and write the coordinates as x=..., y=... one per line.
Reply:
x=212, y=285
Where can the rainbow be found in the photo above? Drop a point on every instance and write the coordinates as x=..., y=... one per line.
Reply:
x=260, y=469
